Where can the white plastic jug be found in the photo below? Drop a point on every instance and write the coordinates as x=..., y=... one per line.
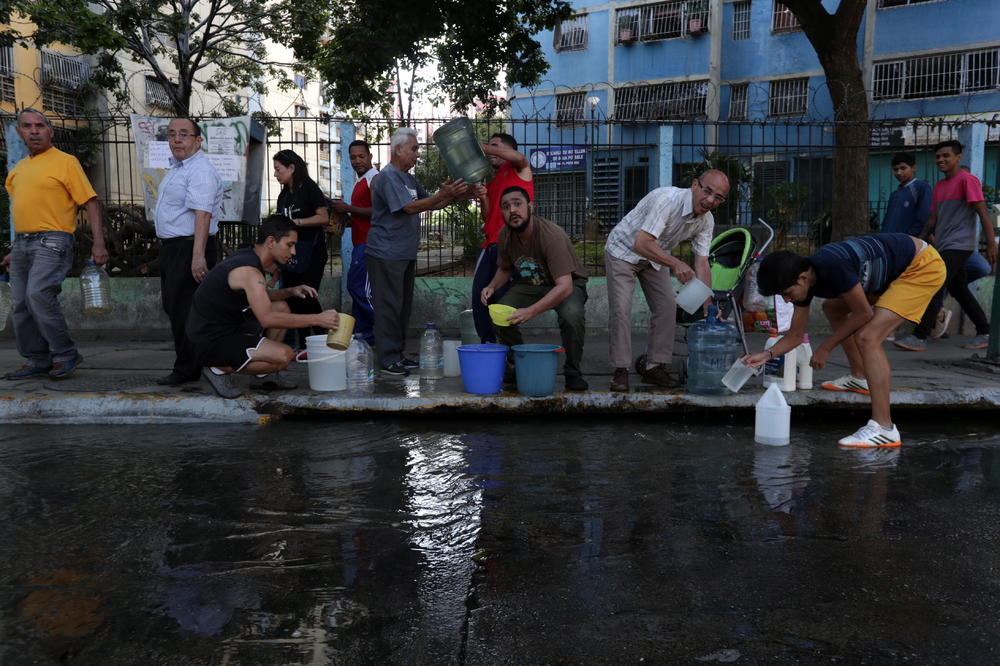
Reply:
x=327, y=367
x=774, y=418
x=693, y=295
x=451, y=365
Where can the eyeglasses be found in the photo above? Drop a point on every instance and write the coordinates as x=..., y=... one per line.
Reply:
x=710, y=192
x=179, y=135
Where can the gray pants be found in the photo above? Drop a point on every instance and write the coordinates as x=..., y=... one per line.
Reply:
x=39, y=263
x=392, y=298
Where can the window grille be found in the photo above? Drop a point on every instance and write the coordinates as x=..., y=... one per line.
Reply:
x=684, y=99
x=324, y=150
x=324, y=173
x=569, y=109
x=157, y=94
x=783, y=20
x=606, y=189
x=301, y=111
x=571, y=34
x=883, y=4
x=61, y=101
x=936, y=75
x=6, y=74
x=789, y=97
x=741, y=20
x=738, y=101
x=661, y=20
x=63, y=71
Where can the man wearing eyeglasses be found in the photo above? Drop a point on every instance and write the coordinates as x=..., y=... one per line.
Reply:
x=188, y=204
x=639, y=248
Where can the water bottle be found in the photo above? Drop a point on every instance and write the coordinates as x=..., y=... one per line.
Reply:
x=360, y=365
x=431, y=354
x=713, y=347
x=6, y=300
x=461, y=151
x=780, y=370
x=804, y=371
x=96, y=286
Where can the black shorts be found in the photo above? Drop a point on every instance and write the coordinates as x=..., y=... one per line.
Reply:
x=231, y=350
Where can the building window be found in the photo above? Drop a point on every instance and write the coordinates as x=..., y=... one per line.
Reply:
x=661, y=20
x=6, y=74
x=569, y=109
x=789, y=97
x=738, y=101
x=300, y=81
x=936, y=75
x=301, y=111
x=783, y=20
x=324, y=173
x=684, y=99
x=158, y=94
x=63, y=78
x=571, y=34
x=324, y=150
x=883, y=4
x=741, y=20
x=300, y=137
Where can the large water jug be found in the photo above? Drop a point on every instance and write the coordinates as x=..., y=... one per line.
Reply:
x=360, y=365
x=462, y=153
x=431, y=353
x=713, y=347
x=6, y=300
x=96, y=286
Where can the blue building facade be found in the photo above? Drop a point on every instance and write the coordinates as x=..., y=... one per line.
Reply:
x=740, y=77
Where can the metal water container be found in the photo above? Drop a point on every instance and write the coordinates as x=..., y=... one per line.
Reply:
x=462, y=153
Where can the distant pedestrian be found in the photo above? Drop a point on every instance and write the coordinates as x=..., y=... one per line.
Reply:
x=391, y=253
x=188, y=204
x=360, y=210
x=871, y=284
x=236, y=323
x=639, y=248
x=512, y=168
x=544, y=272
x=46, y=190
x=957, y=202
x=301, y=201
x=910, y=205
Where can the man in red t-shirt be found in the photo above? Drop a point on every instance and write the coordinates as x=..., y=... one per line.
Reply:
x=360, y=222
x=512, y=170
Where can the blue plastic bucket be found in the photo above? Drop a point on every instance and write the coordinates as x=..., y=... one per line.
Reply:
x=482, y=367
x=536, y=367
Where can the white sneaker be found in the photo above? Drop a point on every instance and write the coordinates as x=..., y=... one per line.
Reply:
x=847, y=383
x=871, y=435
x=941, y=325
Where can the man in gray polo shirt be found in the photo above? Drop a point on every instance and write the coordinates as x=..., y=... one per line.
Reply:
x=397, y=201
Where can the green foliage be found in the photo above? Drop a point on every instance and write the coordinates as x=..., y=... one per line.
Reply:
x=788, y=198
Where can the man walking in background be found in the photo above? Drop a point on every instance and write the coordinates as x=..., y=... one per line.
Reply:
x=46, y=190
x=188, y=204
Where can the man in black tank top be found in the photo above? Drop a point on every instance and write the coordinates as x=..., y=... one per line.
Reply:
x=236, y=323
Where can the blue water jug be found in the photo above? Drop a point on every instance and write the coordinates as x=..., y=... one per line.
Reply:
x=713, y=346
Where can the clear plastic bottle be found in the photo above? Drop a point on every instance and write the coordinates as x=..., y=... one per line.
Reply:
x=360, y=365
x=6, y=300
x=780, y=370
x=804, y=374
x=96, y=287
x=431, y=353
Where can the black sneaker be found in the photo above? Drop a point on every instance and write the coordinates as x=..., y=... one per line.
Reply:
x=576, y=383
x=409, y=363
x=397, y=369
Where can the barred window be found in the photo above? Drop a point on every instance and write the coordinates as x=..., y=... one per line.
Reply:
x=738, y=101
x=661, y=20
x=6, y=74
x=783, y=20
x=741, y=20
x=571, y=34
x=301, y=111
x=936, y=75
x=62, y=78
x=883, y=4
x=569, y=109
x=158, y=94
x=684, y=99
x=789, y=97
x=299, y=137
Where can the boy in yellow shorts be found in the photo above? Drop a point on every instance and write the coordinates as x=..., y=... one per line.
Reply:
x=871, y=284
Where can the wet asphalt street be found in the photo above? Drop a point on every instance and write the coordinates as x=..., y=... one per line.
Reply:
x=511, y=540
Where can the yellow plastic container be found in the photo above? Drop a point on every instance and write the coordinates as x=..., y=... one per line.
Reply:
x=501, y=313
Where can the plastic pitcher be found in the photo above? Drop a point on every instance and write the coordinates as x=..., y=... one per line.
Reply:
x=693, y=295
x=738, y=375
x=327, y=367
x=772, y=425
x=536, y=367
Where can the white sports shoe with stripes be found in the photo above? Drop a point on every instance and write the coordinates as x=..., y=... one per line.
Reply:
x=847, y=383
x=872, y=435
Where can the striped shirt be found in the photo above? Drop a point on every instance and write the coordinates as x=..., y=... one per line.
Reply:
x=667, y=214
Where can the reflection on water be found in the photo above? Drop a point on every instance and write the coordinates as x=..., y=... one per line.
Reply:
x=493, y=541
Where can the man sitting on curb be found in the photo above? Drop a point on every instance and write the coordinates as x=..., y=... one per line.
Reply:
x=236, y=323
x=547, y=275
x=898, y=273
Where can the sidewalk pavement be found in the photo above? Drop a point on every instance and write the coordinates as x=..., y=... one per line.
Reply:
x=116, y=384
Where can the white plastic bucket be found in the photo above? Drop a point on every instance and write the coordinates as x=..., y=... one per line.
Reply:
x=693, y=295
x=327, y=367
x=452, y=368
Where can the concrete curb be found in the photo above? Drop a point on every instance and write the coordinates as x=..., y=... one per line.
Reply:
x=94, y=408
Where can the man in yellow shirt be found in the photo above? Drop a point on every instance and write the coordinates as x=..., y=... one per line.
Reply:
x=46, y=190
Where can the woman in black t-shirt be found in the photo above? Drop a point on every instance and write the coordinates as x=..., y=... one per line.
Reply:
x=302, y=201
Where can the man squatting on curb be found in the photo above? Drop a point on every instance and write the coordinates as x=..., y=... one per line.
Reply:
x=236, y=322
x=896, y=273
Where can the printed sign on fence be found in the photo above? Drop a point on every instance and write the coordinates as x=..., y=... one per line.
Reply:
x=558, y=158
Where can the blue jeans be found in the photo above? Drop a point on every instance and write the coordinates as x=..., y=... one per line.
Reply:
x=39, y=263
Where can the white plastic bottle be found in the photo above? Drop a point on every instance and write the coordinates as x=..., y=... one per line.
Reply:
x=6, y=300
x=431, y=354
x=804, y=374
x=360, y=365
x=779, y=370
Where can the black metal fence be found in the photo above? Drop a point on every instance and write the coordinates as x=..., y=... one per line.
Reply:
x=588, y=174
